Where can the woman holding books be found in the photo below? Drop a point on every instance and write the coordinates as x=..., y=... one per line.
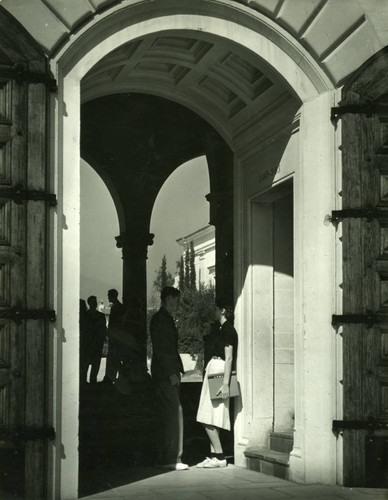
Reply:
x=214, y=413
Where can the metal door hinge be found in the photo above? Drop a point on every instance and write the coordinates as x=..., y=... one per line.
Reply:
x=370, y=425
x=21, y=75
x=27, y=433
x=367, y=109
x=369, y=213
x=18, y=194
x=370, y=318
x=18, y=315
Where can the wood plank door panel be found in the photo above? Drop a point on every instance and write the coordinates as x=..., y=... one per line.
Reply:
x=23, y=276
x=365, y=287
x=12, y=270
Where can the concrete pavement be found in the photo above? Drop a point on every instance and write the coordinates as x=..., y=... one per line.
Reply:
x=232, y=482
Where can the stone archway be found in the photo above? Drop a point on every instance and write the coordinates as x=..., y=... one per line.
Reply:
x=72, y=67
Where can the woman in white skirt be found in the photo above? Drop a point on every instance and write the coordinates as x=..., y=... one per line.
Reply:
x=214, y=413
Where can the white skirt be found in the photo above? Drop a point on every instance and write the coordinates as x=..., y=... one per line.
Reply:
x=213, y=412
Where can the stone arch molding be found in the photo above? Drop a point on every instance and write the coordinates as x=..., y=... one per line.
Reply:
x=285, y=59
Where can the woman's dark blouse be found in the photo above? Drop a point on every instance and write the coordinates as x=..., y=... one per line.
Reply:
x=226, y=335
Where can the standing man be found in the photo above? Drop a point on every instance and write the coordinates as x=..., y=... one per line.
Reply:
x=95, y=334
x=166, y=369
x=117, y=311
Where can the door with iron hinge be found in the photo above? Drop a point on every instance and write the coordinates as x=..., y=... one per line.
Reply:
x=24, y=428
x=364, y=220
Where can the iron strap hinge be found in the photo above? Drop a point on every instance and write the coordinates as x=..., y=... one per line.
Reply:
x=369, y=425
x=369, y=213
x=18, y=194
x=18, y=315
x=27, y=433
x=367, y=108
x=21, y=75
x=370, y=318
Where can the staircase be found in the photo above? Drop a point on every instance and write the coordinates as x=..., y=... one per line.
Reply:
x=274, y=461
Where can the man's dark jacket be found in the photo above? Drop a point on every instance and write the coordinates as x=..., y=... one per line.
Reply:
x=164, y=336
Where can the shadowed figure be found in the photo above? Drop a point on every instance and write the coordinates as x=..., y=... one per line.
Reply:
x=166, y=369
x=92, y=340
x=83, y=344
x=115, y=321
x=130, y=348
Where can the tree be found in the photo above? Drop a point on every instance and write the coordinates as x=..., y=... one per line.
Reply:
x=181, y=273
x=194, y=316
x=193, y=285
x=187, y=269
x=163, y=277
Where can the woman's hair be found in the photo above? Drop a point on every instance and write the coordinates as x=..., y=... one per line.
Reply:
x=222, y=303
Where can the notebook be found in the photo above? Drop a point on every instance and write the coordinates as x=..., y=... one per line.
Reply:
x=215, y=382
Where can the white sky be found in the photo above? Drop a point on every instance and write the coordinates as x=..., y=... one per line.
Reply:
x=180, y=209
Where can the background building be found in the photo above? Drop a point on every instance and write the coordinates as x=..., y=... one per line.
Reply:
x=205, y=254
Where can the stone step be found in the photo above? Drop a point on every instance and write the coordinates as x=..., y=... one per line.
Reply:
x=272, y=463
x=281, y=441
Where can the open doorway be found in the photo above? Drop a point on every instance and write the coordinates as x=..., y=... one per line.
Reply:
x=273, y=314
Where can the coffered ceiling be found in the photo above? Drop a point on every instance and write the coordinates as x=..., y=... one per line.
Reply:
x=211, y=73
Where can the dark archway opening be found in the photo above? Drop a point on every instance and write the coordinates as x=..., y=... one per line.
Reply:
x=134, y=142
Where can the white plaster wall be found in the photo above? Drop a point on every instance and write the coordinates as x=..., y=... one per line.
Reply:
x=309, y=157
x=271, y=165
x=67, y=289
x=313, y=459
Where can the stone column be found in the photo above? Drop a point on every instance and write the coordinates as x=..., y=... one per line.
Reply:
x=221, y=216
x=134, y=247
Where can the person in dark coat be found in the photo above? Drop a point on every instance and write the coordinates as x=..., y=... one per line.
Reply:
x=166, y=369
x=95, y=334
x=83, y=344
x=117, y=312
x=131, y=349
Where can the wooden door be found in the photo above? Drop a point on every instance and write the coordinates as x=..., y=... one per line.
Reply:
x=23, y=262
x=365, y=288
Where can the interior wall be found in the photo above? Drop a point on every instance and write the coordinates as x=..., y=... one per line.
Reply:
x=274, y=163
x=283, y=317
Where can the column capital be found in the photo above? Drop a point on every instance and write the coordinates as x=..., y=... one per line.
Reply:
x=135, y=244
x=219, y=200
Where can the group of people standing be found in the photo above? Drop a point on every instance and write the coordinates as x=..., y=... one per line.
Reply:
x=124, y=349
x=94, y=331
x=166, y=370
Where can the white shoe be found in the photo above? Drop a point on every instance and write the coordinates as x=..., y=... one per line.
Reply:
x=203, y=464
x=180, y=466
x=177, y=466
x=214, y=463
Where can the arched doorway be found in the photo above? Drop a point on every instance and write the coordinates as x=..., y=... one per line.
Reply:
x=239, y=115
